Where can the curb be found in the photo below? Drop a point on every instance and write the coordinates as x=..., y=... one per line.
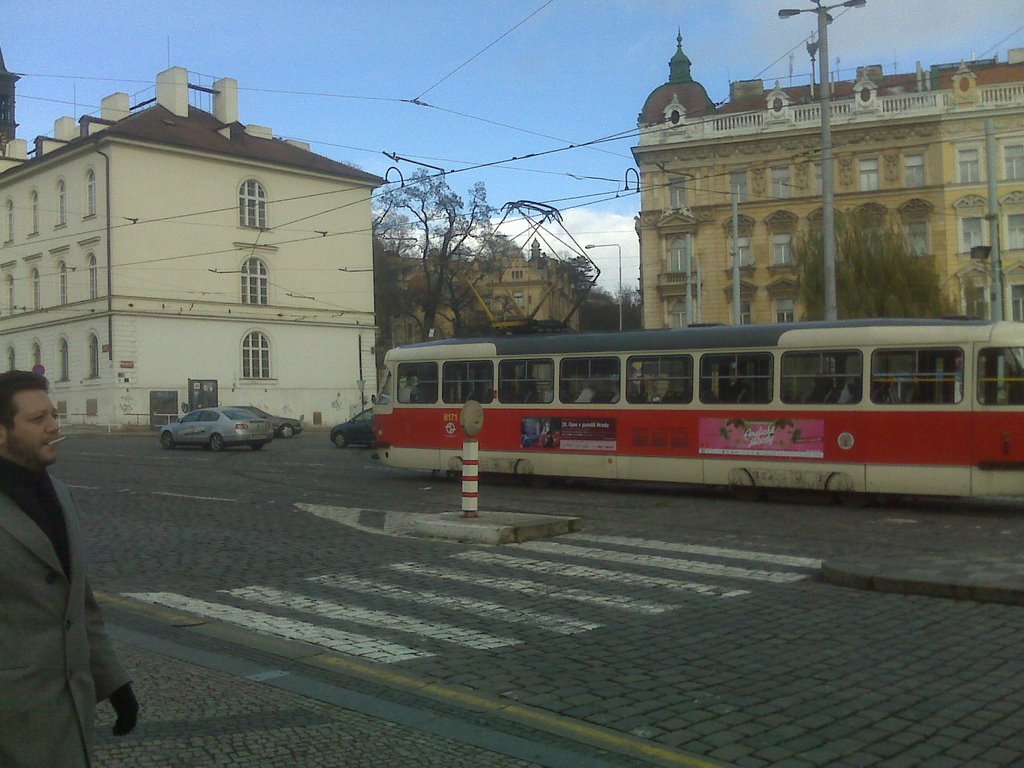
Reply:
x=878, y=578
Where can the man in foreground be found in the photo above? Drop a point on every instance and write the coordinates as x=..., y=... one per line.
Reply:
x=56, y=661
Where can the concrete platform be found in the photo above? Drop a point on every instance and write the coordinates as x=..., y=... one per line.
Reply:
x=494, y=527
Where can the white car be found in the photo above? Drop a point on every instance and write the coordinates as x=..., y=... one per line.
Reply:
x=217, y=429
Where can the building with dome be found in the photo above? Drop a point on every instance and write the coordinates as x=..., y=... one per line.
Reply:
x=909, y=145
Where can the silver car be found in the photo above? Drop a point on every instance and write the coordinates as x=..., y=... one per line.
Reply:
x=218, y=428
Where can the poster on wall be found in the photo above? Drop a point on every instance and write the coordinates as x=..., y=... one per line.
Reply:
x=568, y=434
x=795, y=438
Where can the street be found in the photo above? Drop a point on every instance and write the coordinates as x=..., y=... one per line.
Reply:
x=677, y=617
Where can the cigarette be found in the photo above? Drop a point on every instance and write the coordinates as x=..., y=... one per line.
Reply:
x=54, y=442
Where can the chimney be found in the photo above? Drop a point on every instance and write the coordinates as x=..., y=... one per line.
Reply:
x=172, y=90
x=259, y=131
x=225, y=100
x=13, y=155
x=65, y=129
x=1015, y=56
x=114, y=107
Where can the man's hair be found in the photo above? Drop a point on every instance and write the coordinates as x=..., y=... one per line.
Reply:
x=13, y=382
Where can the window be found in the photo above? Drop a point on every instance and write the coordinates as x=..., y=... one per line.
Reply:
x=62, y=281
x=677, y=193
x=37, y=354
x=780, y=182
x=252, y=205
x=417, y=382
x=469, y=380
x=589, y=380
x=254, y=282
x=740, y=377
x=11, y=362
x=519, y=298
x=679, y=256
x=94, y=356
x=785, y=311
x=868, y=174
x=94, y=288
x=969, y=166
x=817, y=179
x=782, y=248
x=526, y=381
x=62, y=357
x=1013, y=155
x=10, y=221
x=971, y=233
x=743, y=251
x=659, y=379
x=35, y=214
x=36, y=298
x=90, y=193
x=746, y=313
x=821, y=377
x=976, y=301
x=10, y=294
x=1001, y=376
x=677, y=315
x=917, y=376
x=1015, y=231
x=738, y=181
x=1017, y=302
x=62, y=203
x=917, y=238
x=255, y=356
x=913, y=170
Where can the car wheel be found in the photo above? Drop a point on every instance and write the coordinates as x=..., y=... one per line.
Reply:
x=258, y=446
x=287, y=430
x=339, y=440
x=216, y=442
x=167, y=440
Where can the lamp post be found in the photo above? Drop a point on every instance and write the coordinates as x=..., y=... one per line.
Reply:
x=619, y=248
x=828, y=222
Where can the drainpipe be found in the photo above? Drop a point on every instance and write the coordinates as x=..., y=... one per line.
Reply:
x=110, y=283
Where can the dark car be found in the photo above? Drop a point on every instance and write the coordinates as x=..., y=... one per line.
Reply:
x=356, y=431
x=283, y=426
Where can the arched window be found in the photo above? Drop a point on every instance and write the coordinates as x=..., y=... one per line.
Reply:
x=62, y=357
x=36, y=299
x=94, y=356
x=10, y=220
x=10, y=359
x=90, y=193
x=62, y=203
x=10, y=294
x=62, y=281
x=35, y=214
x=252, y=205
x=255, y=356
x=254, y=282
x=37, y=354
x=94, y=283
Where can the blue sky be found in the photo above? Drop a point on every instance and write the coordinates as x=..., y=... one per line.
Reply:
x=502, y=80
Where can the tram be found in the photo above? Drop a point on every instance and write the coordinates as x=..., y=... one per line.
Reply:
x=902, y=407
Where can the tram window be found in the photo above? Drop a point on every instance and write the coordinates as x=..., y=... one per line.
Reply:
x=822, y=377
x=926, y=376
x=467, y=380
x=417, y=382
x=385, y=394
x=1001, y=376
x=526, y=381
x=589, y=380
x=739, y=377
x=660, y=379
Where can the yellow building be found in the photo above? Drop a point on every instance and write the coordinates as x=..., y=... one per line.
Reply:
x=910, y=145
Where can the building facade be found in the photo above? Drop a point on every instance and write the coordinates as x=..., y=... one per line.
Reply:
x=911, y=146
x=160, y=257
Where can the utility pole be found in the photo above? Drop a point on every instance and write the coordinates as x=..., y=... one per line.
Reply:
x=993, y=222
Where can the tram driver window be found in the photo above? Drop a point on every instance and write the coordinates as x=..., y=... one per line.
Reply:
x=822, y=377
x=589, y=380
x=739, y=377
x=924, y=376
x=1001, y=376
x=659, y=379
x=468, y=380
x=417, y=382
x=526, y=381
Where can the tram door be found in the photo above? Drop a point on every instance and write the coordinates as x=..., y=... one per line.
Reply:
x=202, y=393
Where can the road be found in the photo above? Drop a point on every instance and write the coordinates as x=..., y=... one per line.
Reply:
x=679, y=618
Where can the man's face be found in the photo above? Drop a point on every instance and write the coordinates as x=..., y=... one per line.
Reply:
x=35, y=426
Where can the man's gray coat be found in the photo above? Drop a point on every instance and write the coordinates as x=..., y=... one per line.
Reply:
x=56, y=661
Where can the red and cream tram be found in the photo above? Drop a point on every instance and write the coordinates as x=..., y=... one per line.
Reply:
x=912, y=407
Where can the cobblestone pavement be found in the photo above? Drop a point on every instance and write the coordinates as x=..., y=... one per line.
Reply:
x=688, y=620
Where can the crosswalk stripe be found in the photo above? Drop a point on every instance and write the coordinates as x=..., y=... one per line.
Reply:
x=696, y=549
x=562, y=625
x=534, y=588
x=598, y=574
x=668, y=563
x=433, y=630
x=353, y=644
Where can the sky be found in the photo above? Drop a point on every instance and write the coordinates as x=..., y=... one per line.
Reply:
x=523, y=89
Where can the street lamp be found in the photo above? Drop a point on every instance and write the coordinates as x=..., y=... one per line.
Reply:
x=828, y=221
x=619, y=248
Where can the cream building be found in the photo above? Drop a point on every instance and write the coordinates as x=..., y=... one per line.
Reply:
x=161, y=255
x=909, y=145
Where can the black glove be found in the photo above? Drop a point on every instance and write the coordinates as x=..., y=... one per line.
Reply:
x=127, y=708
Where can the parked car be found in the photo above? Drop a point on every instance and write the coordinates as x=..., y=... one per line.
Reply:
x=217, y=429
x=283, y=426
x=356, y=431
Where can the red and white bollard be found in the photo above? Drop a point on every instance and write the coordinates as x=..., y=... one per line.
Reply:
x=470, y=477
